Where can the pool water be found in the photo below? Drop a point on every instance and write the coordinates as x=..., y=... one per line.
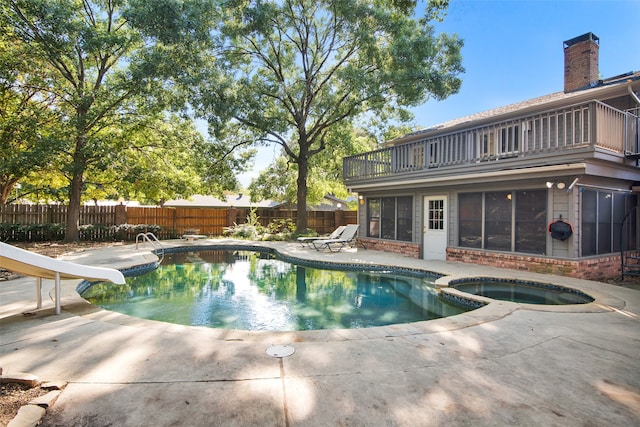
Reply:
x=255, y=291
x=523, y=292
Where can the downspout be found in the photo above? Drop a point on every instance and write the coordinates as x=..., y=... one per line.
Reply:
x=637, y=100
x=633, y=95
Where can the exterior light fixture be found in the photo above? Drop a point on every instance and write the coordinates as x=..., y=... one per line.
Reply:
x=560, y=185
x=549, y=184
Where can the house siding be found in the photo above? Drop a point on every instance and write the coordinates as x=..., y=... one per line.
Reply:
x=559, y=208
x=560, y=257
x=587, y=138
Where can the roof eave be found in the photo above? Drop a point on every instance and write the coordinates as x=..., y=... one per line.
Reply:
x=605, y=91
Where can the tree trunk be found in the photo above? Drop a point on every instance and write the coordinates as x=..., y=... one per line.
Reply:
x=72, y=233
x=5, y=192
x=301, y=218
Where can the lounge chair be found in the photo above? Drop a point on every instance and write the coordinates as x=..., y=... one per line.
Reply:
x=306, y=241
x=348, y=237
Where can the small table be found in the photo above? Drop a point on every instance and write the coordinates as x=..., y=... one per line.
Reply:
x=193, y=237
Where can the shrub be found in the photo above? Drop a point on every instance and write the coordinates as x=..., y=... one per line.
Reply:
x=89, y=232
x=130, y=231
x=281, y=229
x=31, y=232
x=252, y=229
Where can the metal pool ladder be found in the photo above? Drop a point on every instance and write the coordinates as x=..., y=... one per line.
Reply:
x=151, y=238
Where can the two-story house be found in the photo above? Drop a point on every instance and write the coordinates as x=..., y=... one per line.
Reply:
x=542, y=185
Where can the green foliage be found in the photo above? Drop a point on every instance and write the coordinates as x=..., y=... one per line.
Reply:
x=278, y=181
x=88, y=232
x=161, y=160
x=302, y=69
x=285, y=225
x=108, y=90
x=251, y=229
x=295, y=73
x=31, y=232
x=29, y=130
x=130, y=231
x=280, y=230
x=242, y=231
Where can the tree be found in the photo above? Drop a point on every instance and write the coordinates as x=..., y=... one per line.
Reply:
x=83, y=43
x=301, y=68
x=179, y=163
x=109, y=87
x=278, y=181
x=26, y=142
x=27, y=123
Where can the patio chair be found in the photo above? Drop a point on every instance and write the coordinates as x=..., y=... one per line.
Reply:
x=347, y=238
x=306, y=241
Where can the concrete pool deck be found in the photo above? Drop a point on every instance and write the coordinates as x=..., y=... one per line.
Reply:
x=503, y=364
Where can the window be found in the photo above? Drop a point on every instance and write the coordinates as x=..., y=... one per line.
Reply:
x=388, y=222
x=487, y=147
x=497, y=222
x=436, y=214
x=602, y=213
x=418, y=156
x=509, y=139
x=604, y=230
x=588, y=227
x=404, y=219
x=373, y=217
x=503, y=220
x=390, y=218
x=470, y=218
x=531, y=221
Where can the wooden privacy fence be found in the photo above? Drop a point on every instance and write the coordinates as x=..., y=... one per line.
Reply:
x=47, y=222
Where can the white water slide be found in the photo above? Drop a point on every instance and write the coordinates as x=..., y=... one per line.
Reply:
x=43, y=267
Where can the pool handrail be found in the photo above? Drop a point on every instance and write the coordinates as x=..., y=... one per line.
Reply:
x=151, y=238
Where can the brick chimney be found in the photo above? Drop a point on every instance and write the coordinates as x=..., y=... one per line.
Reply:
x=581, y=62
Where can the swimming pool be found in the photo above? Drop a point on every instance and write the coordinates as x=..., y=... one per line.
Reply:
x=252, y=290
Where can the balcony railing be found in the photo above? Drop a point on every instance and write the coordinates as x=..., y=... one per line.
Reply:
x=585, y=125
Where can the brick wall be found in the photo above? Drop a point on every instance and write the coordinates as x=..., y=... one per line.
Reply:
x=592, y=268
x=405, y=248
x=580, y=62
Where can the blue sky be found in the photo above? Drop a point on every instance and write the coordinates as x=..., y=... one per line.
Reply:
x=513, y=52
x=513, y=49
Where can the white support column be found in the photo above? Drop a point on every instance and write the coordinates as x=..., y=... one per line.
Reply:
x=38, y=292
x=58, y=292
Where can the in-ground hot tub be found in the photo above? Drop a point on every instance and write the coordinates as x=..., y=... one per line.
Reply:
x=521, y=291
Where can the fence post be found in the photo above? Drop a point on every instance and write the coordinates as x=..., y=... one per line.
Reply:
x=232, y=216
x=121, y=214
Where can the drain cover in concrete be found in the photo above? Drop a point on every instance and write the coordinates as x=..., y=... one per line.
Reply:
x=280, y=350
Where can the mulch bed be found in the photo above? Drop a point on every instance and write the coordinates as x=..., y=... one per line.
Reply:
x=13, y=396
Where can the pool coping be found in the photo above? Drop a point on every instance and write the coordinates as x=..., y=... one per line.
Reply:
x=491, y=310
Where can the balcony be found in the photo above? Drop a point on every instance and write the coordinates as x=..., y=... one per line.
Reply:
x=544, y=138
